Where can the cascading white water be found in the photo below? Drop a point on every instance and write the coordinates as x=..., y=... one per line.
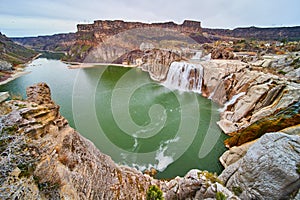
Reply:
x=197, y=55
x=184, y=76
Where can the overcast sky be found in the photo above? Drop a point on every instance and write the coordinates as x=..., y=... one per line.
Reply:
x=46, y=17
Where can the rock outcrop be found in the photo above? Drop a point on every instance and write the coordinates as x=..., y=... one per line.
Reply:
x=269, y=169
x=281, y=119
x=156, y=62
x=104, y=28
x=42, y=157
x=222, y=53
x=246, y=93
x=196, y=184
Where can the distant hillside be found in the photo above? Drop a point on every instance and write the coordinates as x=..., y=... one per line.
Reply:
x=13, y=53
x=57, y=42
x=256, y=33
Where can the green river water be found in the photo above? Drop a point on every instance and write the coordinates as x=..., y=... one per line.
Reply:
x=135, y=120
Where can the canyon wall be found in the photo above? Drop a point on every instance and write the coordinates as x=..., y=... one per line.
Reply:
x=104, y=28
x=253, y=100
x=42, y=157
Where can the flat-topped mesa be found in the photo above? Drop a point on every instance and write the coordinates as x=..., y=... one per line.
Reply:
x=117, y=26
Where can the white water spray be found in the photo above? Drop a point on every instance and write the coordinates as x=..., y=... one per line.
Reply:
x=184, y=76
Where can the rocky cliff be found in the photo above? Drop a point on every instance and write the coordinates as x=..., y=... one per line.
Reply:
x=42, y=157
x=254, y=100
x=269, y=168
x=89, y=36
x=104, y=28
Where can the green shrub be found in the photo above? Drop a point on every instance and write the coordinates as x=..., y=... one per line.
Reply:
x=154, y=193
x=298, y=168
x=220, y=196
x=212, y=177
x=281, y=72
x=237, y=190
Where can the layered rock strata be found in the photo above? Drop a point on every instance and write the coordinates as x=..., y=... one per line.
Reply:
x=42, y=157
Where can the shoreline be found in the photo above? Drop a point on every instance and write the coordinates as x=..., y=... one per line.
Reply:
x=17, y=73
x=14, y=76
x=78, y=65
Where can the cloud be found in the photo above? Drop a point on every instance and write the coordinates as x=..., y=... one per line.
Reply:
x=218, y=13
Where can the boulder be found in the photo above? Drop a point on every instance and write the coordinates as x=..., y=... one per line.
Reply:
x=195, y=184
x=269, y=169
x=222, y=53
x=234, y=154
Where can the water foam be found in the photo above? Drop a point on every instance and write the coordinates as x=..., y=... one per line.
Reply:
x=185, y=76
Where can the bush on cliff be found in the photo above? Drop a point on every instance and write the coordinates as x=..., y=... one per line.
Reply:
x=154, y=193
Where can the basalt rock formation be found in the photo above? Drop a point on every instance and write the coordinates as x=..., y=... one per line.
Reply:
x=282, y=118
x=104, y=28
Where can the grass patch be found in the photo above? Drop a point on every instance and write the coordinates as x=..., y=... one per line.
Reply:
x=281, y=72
x=220, y=196
x=237, y=190
x=154, y=193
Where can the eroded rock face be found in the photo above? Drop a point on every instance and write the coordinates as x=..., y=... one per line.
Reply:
x=157, y=62
x=283, y=118
x=42, y=157
x=222, y=53
x=195, y=184
x=247, y=93
x=269, y=169
x=234, y=154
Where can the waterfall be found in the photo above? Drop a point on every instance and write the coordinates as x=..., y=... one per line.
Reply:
x=197, y=55
x=184, y=77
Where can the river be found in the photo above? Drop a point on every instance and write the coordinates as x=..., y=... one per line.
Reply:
x=137, y=121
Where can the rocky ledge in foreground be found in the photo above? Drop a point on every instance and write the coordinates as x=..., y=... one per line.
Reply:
x=42, y=157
